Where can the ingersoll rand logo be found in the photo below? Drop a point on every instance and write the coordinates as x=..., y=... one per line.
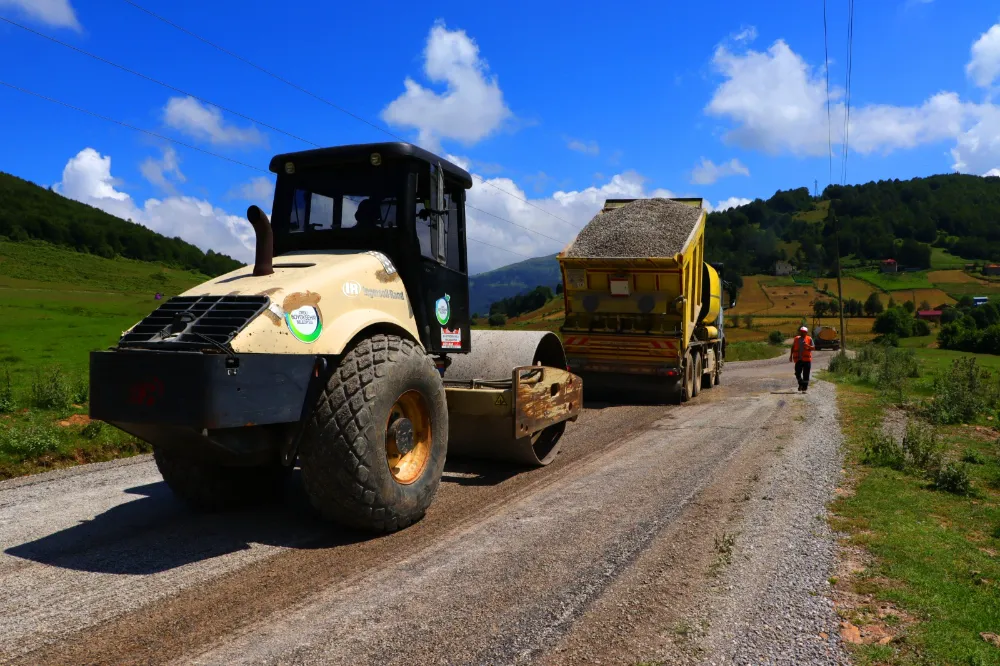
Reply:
x=351, y=289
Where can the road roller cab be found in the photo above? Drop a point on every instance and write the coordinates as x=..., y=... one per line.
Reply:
x=346, y=347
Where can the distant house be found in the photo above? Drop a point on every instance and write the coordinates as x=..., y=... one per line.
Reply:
x=980, y=300
x=991, y=269
x=890, y=266
x=930, y=315
x=783, y=268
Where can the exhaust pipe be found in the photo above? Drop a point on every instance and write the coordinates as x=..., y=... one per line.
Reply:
x=265, y=241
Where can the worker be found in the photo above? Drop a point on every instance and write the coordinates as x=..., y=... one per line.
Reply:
x=802, y=355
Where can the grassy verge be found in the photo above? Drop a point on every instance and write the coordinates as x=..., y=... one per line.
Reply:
x=56, y=306
x=926, y=512
x=753, y=351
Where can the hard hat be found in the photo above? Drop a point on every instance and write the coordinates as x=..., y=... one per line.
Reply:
x=803, y=328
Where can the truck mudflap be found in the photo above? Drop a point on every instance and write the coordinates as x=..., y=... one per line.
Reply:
x=519, y=420
x=198, y=391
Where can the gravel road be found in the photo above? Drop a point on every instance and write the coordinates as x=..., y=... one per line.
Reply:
x=686, y=534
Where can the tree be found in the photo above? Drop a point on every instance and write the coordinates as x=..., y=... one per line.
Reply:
x=924, y=305
x=748, y=320
x=914, y=254
x=873, y=305
x=892, y=302
x=559, y=288
x=893, y=321
x=820, y=308
x=497, y=319
x=909, y=307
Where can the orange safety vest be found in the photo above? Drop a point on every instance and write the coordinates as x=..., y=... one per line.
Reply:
x=802, y=354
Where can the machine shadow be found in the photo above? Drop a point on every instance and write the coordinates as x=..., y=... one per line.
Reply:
x=157, y=533
x=471, y=472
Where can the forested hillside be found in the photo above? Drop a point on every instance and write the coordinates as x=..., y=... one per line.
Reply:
x=28, y=211
x=889, y=218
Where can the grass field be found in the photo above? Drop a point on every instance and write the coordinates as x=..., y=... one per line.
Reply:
x=941, y=258
x=894, y=281
x=959, y=289
x=56, y=306
x=950, y=277
x=925, y=570
x=753, y=351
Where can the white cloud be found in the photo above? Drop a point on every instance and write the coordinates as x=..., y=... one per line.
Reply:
x=726, y=204
x=56, y=13
x=586, y=147
x=157, y=171
x=472, y=106
x=87, y=178
x=576, y=207
x=259, y=189
x=747, y=34
x=206, y=123
x=992, y=172
x=777, y=104
x=984, y=67
x=708, y=172
x=978, y=148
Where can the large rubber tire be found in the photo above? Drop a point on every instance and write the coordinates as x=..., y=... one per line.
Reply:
x=343, y=449
x=211, y=487
x=696, y=376
x=687, y=383
x=707, y=380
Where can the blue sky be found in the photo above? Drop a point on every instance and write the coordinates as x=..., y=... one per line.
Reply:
x=558, y=107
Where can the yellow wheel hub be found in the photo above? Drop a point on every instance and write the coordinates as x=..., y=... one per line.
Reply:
x=408, y=437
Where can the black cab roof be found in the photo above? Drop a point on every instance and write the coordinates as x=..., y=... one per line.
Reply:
x=362, y=152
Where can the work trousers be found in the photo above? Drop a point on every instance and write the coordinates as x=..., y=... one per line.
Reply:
x=802, y=369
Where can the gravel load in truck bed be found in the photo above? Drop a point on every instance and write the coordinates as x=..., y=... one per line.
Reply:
x=642, y=228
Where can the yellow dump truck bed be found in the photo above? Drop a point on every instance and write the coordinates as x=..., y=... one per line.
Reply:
x=640, y=315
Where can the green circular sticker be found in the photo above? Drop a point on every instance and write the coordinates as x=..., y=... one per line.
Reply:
x=442, y=309
x=304, y=323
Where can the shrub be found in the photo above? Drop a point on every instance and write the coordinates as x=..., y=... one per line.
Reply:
x=7, y=402
x=962, y=393
x=92, y=430
x=27, y=441
x=50, y=390
x=881, y=450
x=922, y=447
x=921, y=327
x=973, y=457
x=775, y=337
x=80, y=391
x=953, y=478
x=497, y=319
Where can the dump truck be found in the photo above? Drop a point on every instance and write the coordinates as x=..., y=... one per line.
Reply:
x=825, y=337
x=643, y=309
x=345, y=350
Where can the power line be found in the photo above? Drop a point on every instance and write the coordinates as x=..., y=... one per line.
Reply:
x=156, y=81
x=329, y=103
x=850, y=67
x=131, y=127
x=232, y=111
x=829, y=121
x=187, y=145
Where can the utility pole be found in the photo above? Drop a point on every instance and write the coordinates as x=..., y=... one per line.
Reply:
x=840, y=288
x=815, y=188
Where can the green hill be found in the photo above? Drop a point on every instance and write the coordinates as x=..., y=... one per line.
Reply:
x=912, y=221
x=486, y=288
x=30, y=212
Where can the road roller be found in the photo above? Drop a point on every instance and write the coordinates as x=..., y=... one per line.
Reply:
x=346, y=350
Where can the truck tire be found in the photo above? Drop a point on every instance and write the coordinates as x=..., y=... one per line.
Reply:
x=696, y=378
x=374, y=447
x=212, y=487
x=707, y=381
x=687, y=382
